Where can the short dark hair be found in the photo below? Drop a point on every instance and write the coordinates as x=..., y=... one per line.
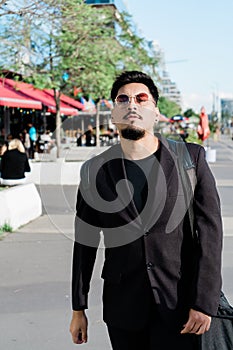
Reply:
x=129, y=77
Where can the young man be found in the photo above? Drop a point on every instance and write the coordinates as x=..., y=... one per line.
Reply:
x=162, y=269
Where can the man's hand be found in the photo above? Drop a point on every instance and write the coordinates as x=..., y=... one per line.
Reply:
x=78, y=327
x=198, y=323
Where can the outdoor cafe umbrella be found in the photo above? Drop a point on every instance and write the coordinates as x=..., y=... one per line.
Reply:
x=177, y=118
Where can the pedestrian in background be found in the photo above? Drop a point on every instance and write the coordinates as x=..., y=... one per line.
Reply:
x=26, y=141
x=14, y=164
x=33, y=139
x=90, y=137
x=162, y=270
x=79, y=137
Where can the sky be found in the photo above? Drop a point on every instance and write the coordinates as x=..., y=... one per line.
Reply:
x=196, y=37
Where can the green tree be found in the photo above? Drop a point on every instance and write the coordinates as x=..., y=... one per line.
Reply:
x=113, y=47
x=167, y=107
x=108, y=49
x=190, y=113
x=59, y=45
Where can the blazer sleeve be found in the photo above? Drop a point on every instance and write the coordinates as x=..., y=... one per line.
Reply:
x=208, y=221
x=83, y=264
x=87, y=237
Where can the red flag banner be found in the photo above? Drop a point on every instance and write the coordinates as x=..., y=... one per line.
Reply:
x=203, y=129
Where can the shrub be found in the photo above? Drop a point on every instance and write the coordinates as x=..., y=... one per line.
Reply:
x=6, y=228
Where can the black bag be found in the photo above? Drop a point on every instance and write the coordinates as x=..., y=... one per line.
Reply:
x=220, y=334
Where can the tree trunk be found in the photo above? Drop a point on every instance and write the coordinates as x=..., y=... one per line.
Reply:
x=58, y=121
x=98, y=124
x=58, y=132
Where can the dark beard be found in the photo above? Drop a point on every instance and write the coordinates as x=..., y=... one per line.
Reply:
x=133, y=134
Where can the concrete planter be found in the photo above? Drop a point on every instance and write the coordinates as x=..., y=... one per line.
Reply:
x=19, y=205
x=54, y=173
x=211, y=155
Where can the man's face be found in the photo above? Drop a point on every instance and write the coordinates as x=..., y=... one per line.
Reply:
x=135, y=110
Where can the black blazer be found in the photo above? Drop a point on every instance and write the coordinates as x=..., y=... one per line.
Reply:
x=159, y=260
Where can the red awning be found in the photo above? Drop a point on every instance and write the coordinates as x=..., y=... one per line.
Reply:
x=40, y=95
x=11, y=98
x=69, y=100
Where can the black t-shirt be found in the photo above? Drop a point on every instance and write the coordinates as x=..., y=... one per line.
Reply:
x=138, y=172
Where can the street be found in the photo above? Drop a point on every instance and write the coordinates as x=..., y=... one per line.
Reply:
x=35, y=267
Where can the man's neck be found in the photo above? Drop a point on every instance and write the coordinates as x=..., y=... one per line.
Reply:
x=141, y=148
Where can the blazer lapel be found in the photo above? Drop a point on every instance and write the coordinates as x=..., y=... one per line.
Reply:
x=160, y=185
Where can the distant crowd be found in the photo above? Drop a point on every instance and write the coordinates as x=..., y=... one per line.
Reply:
x=14, y=155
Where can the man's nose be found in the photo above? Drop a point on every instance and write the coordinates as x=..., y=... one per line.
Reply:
x=132, y=106
x=132, y=103
x=132, y=99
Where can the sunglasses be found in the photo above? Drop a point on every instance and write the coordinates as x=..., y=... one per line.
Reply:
x=140, y=98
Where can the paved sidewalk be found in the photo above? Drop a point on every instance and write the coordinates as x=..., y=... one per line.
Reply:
x=35, y=268
x=223, y=172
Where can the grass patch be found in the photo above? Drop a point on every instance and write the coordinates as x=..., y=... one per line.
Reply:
x=6, y=228
x=4, y=187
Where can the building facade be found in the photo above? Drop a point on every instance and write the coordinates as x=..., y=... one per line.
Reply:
x=169, y=89
x=226, y=110
x=118, y=4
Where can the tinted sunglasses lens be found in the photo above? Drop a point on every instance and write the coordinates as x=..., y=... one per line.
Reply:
x=142, y=97
x=122, y=98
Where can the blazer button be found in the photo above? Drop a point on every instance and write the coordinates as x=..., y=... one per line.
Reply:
x=149, y=265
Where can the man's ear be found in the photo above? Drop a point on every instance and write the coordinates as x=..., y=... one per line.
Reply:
x=113, y=116
x=157, y=114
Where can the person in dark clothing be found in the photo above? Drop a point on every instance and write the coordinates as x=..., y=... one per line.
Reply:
x=90, y=136
x=14, y=164
x=79, y=136
x=162, y=270
x=33, y=139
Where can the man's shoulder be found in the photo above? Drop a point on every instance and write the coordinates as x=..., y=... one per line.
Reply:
x=188, y=151
x=176, y=144
x=195, y=149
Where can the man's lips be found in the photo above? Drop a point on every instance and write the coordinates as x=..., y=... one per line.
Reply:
x=132, y=115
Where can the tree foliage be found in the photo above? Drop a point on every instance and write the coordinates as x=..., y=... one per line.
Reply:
x=47, y=40
x=67, y=43
x=168, y=108
x=190, y=113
